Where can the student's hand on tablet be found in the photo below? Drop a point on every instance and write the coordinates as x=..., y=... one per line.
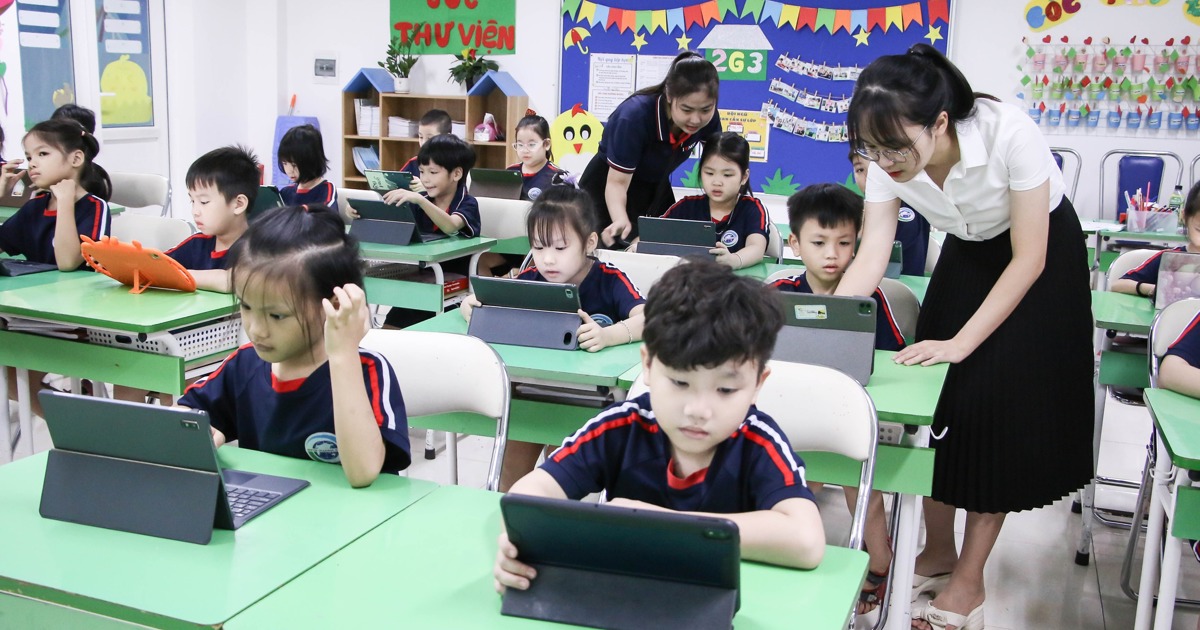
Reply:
x=347, y=319
x=591, y=335
x=416, y=186
x=510, y=572
x=618, y=230
x=468, y=304
x=725, y=257
x=218, y=437
x=641, y=505
x=399, y=196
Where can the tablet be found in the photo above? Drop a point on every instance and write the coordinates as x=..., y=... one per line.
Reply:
x=675, y=237
x=386, y=181
x=498, y=183
x=526, y=313
x=828, y=330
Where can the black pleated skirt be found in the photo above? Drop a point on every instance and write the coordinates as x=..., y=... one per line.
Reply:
x=1018, y=412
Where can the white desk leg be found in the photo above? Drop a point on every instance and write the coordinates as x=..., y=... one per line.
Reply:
x=1150, y=557
x=1169, y=576
x=5, y=419
x=439, y=279
x=907, y=536
x=25, y=410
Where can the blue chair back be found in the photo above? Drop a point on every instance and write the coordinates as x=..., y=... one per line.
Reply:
x=1136, y=171
x=1058, y=159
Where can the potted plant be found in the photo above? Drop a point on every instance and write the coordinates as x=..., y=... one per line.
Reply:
x=399, y=61
x=470, y=67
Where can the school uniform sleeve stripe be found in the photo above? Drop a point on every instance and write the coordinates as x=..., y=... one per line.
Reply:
x=891, y=319
x=621, y=416
x=101, y=218
x=606, y=268
x=204, y=381
x=762, y=212
x=781, y=455
x=184, y=242
x=379, y=384
x=1185, y=332
x=667, y=214
x=619, y=167
x=331, y=198
x=790, y=281
x=1152, y=259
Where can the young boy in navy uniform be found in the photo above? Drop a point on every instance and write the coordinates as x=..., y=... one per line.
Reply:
x=825, y=220
x=695, y=442
x=435, y=122
x=912, y=229
x=222, y=185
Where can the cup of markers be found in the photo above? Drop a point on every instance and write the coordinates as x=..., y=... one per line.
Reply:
x=1144, y=217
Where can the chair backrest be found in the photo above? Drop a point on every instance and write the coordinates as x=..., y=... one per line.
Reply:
x=1168, y=325
x=904, y=305
x=446, y=373
x=1136, y=169
x=1128, y=261
x=783, y=273
x=821, y=409
x=643, y=269
x=346, y=194
x=774, y=242
x=140, y=190
x=161, y=233
x=932, y=253
x=1194, y=171
x=1072, y=182
x=502, y=218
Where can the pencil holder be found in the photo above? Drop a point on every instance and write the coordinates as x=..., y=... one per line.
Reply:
x=1080, y=64
x=1060, y=62
x=1039, y=62
x=1099, y=62
x=1137, y=62
x=1114, y=120
x=1182, y=63
x=1177, y=93
x=1036, y=91
x=1053, y=117
x=1120, y=62
x=1192, y=122
x=1162, y=63
x=1174, y=120
x=1093, y=118
x=1151, y=221
x=1073, y=118
x=1056, y=91
x=1096, y=91
x=1154, y=120
x=1036, y=115
x=1133, y=120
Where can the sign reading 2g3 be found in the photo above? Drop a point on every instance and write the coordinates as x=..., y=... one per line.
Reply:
x=738, y=65
x=1044, y=14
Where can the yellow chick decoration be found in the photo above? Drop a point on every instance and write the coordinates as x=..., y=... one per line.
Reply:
x=125, y=97
x=575, y=138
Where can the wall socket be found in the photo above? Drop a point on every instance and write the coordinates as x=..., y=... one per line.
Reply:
x=325, y=67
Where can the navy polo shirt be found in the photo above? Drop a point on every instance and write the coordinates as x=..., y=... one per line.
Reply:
x=322, y=194
x=606, y=293
x=1148, y=271
x=535, y=183
x=625, y=452
x=199, y=252
x=748, y=217
x=412, y=167
x=637, y=138
x=912, y=230
x=295, y=418
x=463, y=205
x=1187, y=346
x=30, y=232
x=887, y=331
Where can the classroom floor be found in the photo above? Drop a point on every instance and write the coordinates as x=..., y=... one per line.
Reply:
x=1033, y=581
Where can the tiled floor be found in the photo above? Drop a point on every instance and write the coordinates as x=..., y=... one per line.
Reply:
x=1033, y=581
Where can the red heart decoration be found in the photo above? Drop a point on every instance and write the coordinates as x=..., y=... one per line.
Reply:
x=1088, y=40
x=1146, y=40
x=1046, y=39
x=1063, y=39
x=1186, y=40
x=1171, y=42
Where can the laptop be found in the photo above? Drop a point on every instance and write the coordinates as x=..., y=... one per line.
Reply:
x=498, y=183
x=675, y=237
x=13, y=267
x=21, y=192
x=267, y=198
x=828, y=330
x=525, y=313
x=613, y=567
x=386, y=181
x=896, y=262
x=380, y=222
x=146, y=469
x=1178, y=278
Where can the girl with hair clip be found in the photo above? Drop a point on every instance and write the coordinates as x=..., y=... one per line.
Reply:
x=740, y=219
x=301, y=157
x=73, y=197
x=533, y=149
x=646, y=138
x=563, y=237
x=1008, y=307
x=302, y=387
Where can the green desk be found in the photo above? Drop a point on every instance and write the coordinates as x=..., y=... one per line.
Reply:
x=378, y=581
x=513, y=246
x=1122, y=312
x=1174, y=499
x=422, y=296
x=918, y=284
x=168, y=584
x=59, y=279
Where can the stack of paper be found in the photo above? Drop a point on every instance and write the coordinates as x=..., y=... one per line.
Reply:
x=459, y=129
x=366, y=116
x=399, y=127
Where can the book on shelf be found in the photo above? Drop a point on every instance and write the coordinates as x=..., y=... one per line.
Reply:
x=365, y=158
x=400, y=127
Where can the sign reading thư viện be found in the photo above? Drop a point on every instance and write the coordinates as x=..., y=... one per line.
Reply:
x=451, y=26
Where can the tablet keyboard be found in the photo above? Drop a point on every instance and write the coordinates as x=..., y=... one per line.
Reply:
x=12, y=267
x=244, y=502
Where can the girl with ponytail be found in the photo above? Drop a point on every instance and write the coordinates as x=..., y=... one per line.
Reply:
x=1008, y=307
x=72, y=197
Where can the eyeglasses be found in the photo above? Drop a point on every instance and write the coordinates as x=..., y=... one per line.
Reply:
x=528, y=146
x=893, y=155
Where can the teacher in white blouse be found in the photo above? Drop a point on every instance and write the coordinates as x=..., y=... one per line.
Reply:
x=1008, y=307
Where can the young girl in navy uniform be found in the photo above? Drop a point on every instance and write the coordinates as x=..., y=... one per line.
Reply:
x=646, y=138
x=739, y=219
x=533, y=149
x=72, y=201
x=563, y=236
x=302, y=387
x=1143, y=279
x=302, y=158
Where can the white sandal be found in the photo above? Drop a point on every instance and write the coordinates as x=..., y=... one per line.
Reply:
x=939, y=619
x=934, y=584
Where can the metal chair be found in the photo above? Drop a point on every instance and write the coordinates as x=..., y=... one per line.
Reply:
x=643, y=269
x=1135, y=169
x=453, y=383
x=346, y=194
x=500, y=219
x=932, y=254
x=1077, y=163
x=157, y=232
x=141, y=190
x=904, y=304
x=774, y=242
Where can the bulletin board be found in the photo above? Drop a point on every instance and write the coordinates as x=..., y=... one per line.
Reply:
x=787, y=72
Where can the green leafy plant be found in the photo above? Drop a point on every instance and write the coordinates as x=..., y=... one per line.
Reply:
x=777, y=184
x=691, y=179
x=399, y=60
x=470, y=67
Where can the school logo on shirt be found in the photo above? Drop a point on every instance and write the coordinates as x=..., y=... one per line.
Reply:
x=729, y=238
x=534, y=193
x=322, y=447
x=907, y=214
x=602, y=319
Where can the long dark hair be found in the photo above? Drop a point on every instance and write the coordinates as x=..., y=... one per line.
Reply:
x=689, y=73
x=68, y=136
x=563, y=209
x=913, y=88
x=732, y=147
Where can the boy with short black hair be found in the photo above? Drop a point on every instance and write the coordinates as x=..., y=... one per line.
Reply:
x=445, y=161
x=435, y=122
x=222, y=185
x=703, y=446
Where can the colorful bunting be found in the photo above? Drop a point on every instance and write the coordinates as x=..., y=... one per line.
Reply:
x=939, y=10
